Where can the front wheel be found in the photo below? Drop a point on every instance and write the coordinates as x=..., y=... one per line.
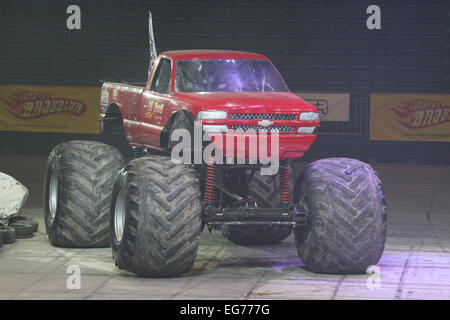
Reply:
x=155, y=217
x=346, y=214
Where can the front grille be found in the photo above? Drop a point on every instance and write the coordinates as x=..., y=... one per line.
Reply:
x=263, y=116
x=281, y=129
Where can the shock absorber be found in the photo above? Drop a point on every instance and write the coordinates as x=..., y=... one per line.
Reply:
x=284, y=184
x=210, y=186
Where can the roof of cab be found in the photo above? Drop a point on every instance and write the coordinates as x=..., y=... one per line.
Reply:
x=211, y=54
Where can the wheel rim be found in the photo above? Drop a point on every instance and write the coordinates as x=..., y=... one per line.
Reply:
x=119, y=215
x=53, y=195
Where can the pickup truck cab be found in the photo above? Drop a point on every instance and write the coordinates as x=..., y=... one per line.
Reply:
x=225, y=90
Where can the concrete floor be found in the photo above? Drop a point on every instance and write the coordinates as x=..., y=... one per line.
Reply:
x=415, y=264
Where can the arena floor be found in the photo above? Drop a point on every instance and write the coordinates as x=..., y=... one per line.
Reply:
x=415, y=264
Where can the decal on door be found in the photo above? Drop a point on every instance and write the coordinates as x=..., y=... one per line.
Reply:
x=158, y=107
x=154, y=111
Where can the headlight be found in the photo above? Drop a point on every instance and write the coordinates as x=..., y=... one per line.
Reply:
x=212, y=128
x=309, y=116
x=211, y=115
x=306, y=130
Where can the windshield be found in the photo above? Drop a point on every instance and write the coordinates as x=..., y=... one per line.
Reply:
x=231, y=75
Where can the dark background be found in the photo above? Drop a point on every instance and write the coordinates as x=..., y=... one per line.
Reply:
x=317, y=45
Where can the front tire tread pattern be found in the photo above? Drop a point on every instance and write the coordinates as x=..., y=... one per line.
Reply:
x=163, y=220
x=348, y=218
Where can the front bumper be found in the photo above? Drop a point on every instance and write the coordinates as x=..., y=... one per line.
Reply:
x=262, y=147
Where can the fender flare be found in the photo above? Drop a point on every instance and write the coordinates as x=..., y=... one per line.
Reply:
x=164, y=139
x=112, y=108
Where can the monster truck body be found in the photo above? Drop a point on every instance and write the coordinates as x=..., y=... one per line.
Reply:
x=152, y=209
x=148, y=113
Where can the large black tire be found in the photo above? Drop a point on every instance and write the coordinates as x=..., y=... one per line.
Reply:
x=83, y=176
x=157, y=203
x=266, y=190
x=347, y=219
x=8, y=234
x=25, y=219
x=24, y=230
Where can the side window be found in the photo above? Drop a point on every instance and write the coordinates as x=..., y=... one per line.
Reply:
x=161, y=81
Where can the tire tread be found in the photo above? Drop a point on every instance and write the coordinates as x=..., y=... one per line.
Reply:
x=348, y=216
x=86, y=170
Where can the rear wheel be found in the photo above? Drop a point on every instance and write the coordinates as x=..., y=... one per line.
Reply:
x=77, y=193
x=155, y=218
x=266, y=191
x=346, y=214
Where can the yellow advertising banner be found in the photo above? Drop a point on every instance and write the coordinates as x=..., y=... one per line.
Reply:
x=410, y=117
x=49, y=109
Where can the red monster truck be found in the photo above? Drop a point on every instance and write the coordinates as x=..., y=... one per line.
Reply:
x=152, y=209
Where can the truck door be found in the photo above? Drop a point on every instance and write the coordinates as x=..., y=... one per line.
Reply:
x=154, y=104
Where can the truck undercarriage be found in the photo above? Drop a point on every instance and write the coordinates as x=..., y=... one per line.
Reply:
x=227, y=200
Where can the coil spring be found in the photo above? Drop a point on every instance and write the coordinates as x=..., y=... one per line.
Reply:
x=284, y=185
x=210, y=186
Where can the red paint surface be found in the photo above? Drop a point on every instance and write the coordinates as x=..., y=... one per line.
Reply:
x=141, y=130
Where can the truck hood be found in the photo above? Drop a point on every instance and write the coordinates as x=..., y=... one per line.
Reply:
x=259, y=102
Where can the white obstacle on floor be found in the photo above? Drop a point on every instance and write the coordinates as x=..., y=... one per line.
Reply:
x=13, y=195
